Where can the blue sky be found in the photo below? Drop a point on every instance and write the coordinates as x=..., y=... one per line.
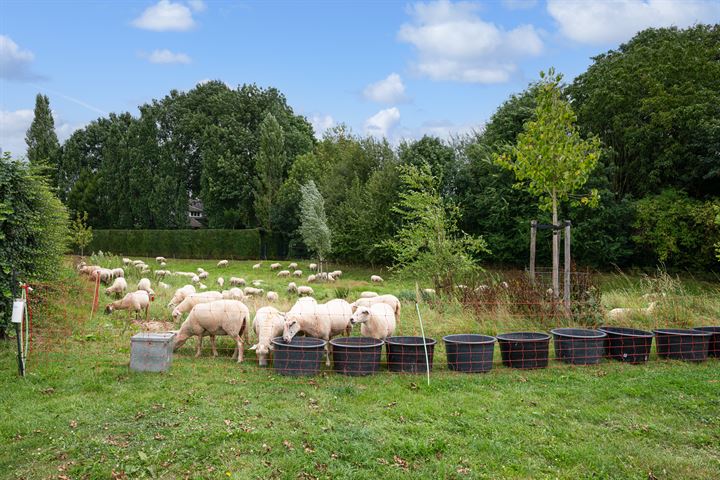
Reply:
x=399, y=69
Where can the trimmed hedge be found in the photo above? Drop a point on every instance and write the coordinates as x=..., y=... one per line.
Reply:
x=205, y=243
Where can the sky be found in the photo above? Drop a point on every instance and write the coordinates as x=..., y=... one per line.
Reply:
x=385, y=68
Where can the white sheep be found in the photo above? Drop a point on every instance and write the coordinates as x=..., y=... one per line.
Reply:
x=233, y=294
x=237, y=282
x=118, y=272
x=195, y=279
x=313, y=266
x=223, y=263
x=89, y=269
x=311, y=278
x=321, y=276
x=118, y=287
x=292, y=287
x=429, y=291
x=292, y=266
x=133, y=302
x=163, y=264
x=272, y=296
x=203, y=275
x=623, y=313
x=163, y=285
x=161, y=273
x=221, y=281
x=194, y=299
x=200, y=270
x=257, y=283
x=303, y=290
x=222, y=317
x=267, y=324
x=180, y=295
x=137, y=262
x=376, y=279
x=336, y=273
x=368, y=294
x=202, y=286
x=318, y=320
x=297, y=273
x=257, y=266
x=105, y=274
x=126, y=261
x=274, y=266
x=390, y=300
x=330, y=277
x=160, y=259
x=283, y=273
x=376, y=321
x=144, y=284
x=252, y=291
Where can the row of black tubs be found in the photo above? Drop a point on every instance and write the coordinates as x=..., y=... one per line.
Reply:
x=474, y=352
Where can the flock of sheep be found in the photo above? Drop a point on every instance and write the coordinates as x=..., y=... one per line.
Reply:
x=213, y=313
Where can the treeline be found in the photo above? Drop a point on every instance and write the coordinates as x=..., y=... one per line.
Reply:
x=654, y=103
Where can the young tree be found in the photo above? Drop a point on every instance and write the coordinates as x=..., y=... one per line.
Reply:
x=430, y=244
x=550, y=159
x=80, y=233
x=313, y=222
x=43, y=146
x=270, y=165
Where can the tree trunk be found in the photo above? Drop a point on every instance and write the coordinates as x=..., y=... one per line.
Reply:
x=555, y=249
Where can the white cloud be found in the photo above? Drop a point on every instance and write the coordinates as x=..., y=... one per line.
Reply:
x=15, y=123
x=197, y=5
x=380, y=124
x=454, y=43
x=609, y=22
x=15, y=62
x=321, y=123
x=388, y=90
x=166, y=16
x=166, y=56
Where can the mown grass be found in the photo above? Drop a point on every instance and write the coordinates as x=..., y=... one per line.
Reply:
x=80, y=413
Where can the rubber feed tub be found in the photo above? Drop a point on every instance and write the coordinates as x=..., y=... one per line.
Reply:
x=579, y=346
x=682, y=344
x=627, y=344
x=302, y=356
x=356, y=355
x=524, y=349
x=469, y=352
x=407, y=354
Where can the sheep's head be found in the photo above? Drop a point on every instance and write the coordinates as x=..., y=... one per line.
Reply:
x=176, y=314
x=291, y=327
x=361, y=315
x=180, y=339
x=108, y=309
x=262, y=352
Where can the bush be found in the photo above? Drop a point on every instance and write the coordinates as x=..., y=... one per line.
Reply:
x=33, y=230
x=210, y=243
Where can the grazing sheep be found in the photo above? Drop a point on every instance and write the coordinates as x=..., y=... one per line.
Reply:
x=273, y=296
x=251, y=291
x=118, y=287
x=429, y=291
x=297, y=273
x=376, y=279
x=233, y=294
x=257, y=266
x=133, y=302
x=221, y=281
x=623, y=313
x=313, y=266
x=319, y=320
x=88, y=269
x=257, y=283
x=161, y=273
x=235, y=282
x=336, y=273
x=202, y=286
x=159, y=259
x=223, y=263
x=504, y=285
x=321, y=276
x=376, y=321
x=330, y=277
x=126, y=261
x=267, y=324
x=105, y=274
x=292, y=287
x=163, y=264
x=180, y=295
x=192, y=300
x=137, y=262
x=311, y=278
x=195, y=279
x=302, y=290
x=391, y=300
x=221, y=317
x=163, y=285
x=274, y=266
x=118, y=272
x=203, y=275
x=144, y=284
x=283, y=273
x=200, y=270
x=292, y=266
x=368, y=294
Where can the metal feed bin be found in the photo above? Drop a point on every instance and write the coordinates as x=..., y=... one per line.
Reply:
x=151, y=352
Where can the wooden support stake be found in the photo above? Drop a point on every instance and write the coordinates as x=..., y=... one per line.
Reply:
x=533, y=235
x=566, y=293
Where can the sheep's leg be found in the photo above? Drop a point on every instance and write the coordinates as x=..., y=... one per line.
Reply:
x=147, y=312
x=198, y=348
x=212, y=344
x=327, y=352
x=239, y=347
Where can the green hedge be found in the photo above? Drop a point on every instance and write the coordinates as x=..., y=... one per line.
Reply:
x=206, y=243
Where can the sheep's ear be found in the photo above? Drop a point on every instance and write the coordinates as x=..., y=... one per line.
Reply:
x=254, y=347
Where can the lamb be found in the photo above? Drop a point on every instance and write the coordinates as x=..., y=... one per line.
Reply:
x=303, y=290
x=376, y=279
x=257, y=283
x=274, y=266
x=118, y=286
x=292, y=287
x=252, y=291
x=105, y=274
x=221, y=281
x=200, y=270
x=391, y=300
x=623, y=313
x=336, y=273
x=144, y=284
x=429, y=291
x=233, y=294
x=163, y=264
x=137, y=262
x=313, y=266
x=283, y=273
x=235, y=281
x=163, y=285
x=257, y=266
x=330, y=277
x=318, y=320
x=273, y=296
x=223, y=263
x=368, y=294
x=160, y=259
x=133, y=302
x=222, y=317
x=118, y=272
x=292, y=266
x=376, y=321
x=267, y=324
x=192, y=300
x=195, y=279
x=126, y=261
x=89, y=269
x=180, y=295
x=297, y=273
x=203, y=275
x=321, y=276
x=311, y=278
x=202, y=286
x=161, y=273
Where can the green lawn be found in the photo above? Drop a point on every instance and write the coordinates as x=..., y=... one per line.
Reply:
x=81, y=414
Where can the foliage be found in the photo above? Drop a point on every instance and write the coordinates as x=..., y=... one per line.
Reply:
x=678, y=230
x=313, y=222
x=42, y=142
x=33, y=228
x=81, y=234
x=271, y=168
x=429, y=244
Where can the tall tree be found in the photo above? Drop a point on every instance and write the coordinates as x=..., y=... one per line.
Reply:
x=550, y=159
x=313, y=222
x=270, y=166
x=41, y=139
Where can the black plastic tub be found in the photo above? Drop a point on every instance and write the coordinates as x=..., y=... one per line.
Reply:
x=714, y=345
x=469, y=353
x=356, y=355
x=302, y=356
x=524, y=349
x=627, y=344
x=682, y=344
x=579, y=346
x=407, y=354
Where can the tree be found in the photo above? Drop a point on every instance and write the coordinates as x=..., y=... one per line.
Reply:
x=41, y=139
x=80, y=233
x=270, y=166
x=550, y=159
x=313, y=222
x=429, y=244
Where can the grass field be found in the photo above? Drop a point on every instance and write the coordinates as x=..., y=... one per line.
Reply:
x=80, y=413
